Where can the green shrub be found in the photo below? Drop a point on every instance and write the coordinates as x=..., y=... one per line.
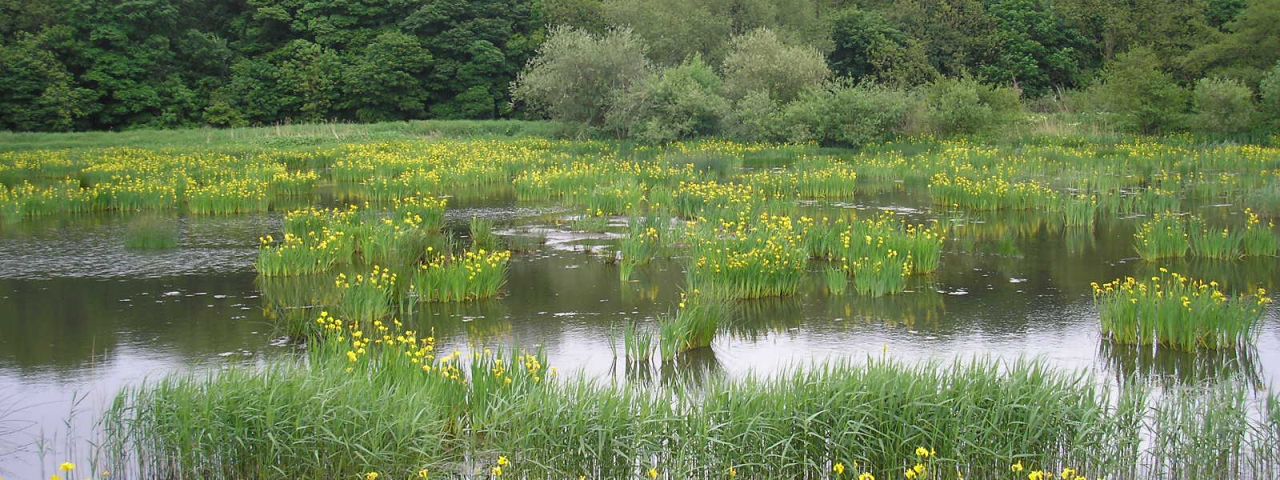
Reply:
x=576, y=76
x=846, y=114
x=753, y=118
x=1143, y=97
x=677, y=103
x=1223, y=106
x=1269, y=92
x=759, y=61
x=965, y=105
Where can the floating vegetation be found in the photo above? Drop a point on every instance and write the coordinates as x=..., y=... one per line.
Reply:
x=1171, y=310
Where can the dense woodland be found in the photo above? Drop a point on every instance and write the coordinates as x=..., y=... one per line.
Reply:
x=655, y=70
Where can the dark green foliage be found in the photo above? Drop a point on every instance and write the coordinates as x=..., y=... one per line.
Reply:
x=1251, y=46
x=868, y=47
x=36, y=91
x=100, y=64
x=1269, y=92
x=1032, y=48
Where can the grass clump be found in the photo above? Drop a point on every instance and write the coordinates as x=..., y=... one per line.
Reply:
x=151, y=233
x=1173, y=311
x=747, y=258
x=367, y=298
x=482, y=236
x=473, y=275
x=1164, y=236
x=694, y=325
x=361, y=403
x=1257, y=239
x=1207, y=242
x=642, y=244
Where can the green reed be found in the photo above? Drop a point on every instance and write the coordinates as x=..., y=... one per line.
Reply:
x=835, y=279
x=694, y=325
x=642, y=244
x=1080, y=210
x=1210, y=242
x=473, y=275
x=882, y=275
x=1164, y=236
x=366, y=298
x=397, y=408
x=482, y=237
x=1173, y=311
x=1258, y=239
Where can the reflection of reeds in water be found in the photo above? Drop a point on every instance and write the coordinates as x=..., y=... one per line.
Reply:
x=1171, y=367
x=151, y=233
x=756, y=319
x=1079, y=240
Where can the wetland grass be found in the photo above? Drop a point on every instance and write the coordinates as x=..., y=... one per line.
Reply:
x=472, y=275
x=1258, y=239
x=1164, y=236
x=362, y=403
x=694, y=325
x=1173, y=311
x=482, y=236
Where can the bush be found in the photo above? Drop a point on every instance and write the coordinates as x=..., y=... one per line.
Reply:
x=754, y=118
x=965, y=106
x=1223, y=106
x=577, y=76
x=677, y=103
x=1269, y=92
x=1142, y=96
x=845, y=114
x=759, y=62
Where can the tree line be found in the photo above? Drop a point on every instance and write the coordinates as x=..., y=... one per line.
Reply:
x=657, y=69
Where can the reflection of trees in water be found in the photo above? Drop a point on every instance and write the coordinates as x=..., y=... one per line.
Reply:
x=1170, y=367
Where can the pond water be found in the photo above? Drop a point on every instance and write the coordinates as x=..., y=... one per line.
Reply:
x=81, y=316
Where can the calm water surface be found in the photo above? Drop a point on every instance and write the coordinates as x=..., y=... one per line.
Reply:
x=82, y=317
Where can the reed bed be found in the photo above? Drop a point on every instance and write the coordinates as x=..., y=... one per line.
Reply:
x=473, y=275
x=694, y=325
x=1171, y=310
x=381, y=400
x=747, y=258
x=642, y=244
x=1164, y=236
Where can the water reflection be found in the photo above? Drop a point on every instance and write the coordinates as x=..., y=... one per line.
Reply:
x=1171, y=367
